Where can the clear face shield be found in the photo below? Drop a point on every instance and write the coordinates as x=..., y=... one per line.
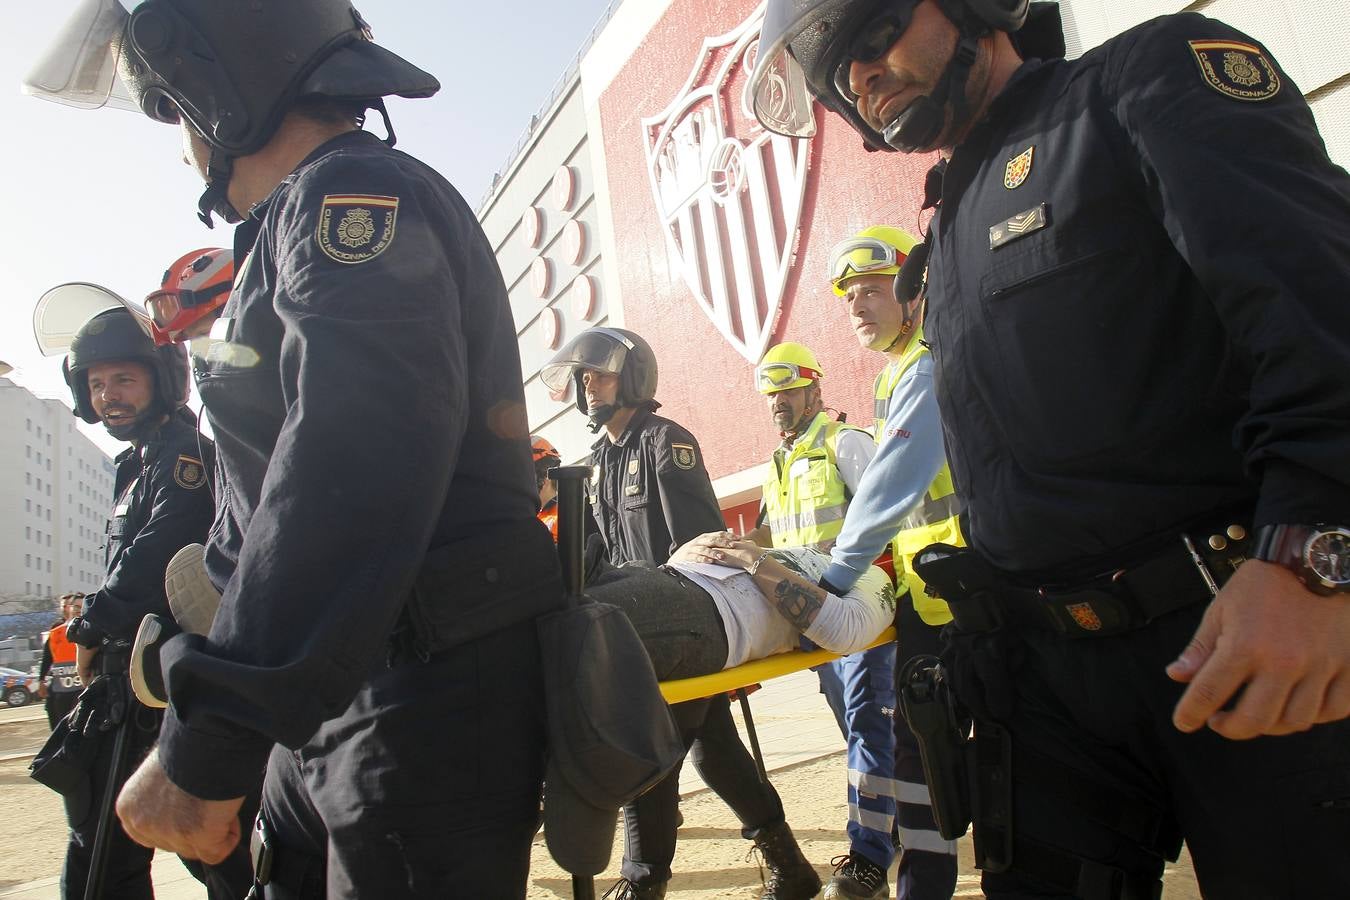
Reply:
x=62, y=311
x=80, y=68
x=779, y=96
x=601, y=349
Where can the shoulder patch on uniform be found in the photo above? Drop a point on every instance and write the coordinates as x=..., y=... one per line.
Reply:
x=684, y=455
x=1018, y=168
x=1235, y=69
x=188, y=472
x=356, y=228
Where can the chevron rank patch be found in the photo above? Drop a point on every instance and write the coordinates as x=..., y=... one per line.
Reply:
x=1020, y=225
x=683, y=455
x=188, y=472
x=1237, y=70
x=356, y=228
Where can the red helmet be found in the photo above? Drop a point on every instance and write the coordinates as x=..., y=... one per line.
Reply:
x=193, y=287
x=540, y=448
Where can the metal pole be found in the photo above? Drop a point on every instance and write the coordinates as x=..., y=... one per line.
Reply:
x=98, y=863
x=754, y=738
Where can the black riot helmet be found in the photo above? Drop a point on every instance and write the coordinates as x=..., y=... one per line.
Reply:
x=603, y=349
x=231, y=68
x=805, y=48
x=114, y=335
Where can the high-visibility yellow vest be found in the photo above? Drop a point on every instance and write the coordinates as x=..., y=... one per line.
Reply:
x=804, y=495
x=936, y=519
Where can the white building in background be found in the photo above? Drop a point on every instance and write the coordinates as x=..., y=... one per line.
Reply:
x=56, y=492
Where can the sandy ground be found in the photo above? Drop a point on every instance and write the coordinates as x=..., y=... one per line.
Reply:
x=711, y=861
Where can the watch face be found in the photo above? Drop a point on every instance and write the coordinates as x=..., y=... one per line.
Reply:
x=1328, y=555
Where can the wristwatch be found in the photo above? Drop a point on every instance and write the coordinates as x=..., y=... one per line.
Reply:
x=1319, y=555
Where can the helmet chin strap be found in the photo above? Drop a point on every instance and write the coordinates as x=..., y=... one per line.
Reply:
x=920, y=124
x=219, y=168
x=597, y=417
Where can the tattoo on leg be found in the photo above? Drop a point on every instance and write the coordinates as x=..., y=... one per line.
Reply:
x=797, y=603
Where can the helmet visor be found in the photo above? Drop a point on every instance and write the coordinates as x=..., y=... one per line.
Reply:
x=601, y=349
x=80, y=67
x=779, y=96
x=782, y=376
x=64, y=310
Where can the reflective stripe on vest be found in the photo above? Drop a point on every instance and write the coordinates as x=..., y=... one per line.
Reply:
x=804, y=496
x=937, y=517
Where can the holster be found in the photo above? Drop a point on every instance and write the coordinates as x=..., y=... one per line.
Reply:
x=66, y=760
x=942, y=729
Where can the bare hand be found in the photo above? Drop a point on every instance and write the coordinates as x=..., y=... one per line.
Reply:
x=158, y=813
x=42, y=690
x=1285, y=648
x=719, y=548
x=84, y=663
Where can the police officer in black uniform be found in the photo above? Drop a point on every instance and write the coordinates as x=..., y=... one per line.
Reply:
x=377, y=547
x=1135, y=277
x=118, y=376
x=651, y=493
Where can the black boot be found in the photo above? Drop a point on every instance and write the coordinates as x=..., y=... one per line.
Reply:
x=790, y=875
x=623, y=889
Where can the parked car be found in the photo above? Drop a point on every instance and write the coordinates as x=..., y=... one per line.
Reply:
x=19, y=688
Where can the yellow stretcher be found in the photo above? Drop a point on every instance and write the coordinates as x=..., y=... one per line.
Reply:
x=736, y=679
x=679, y=690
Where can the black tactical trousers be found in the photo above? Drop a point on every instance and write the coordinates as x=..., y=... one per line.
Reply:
x=1268, y=817
x=427, y=786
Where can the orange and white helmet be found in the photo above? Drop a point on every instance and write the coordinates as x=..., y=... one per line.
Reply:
x=193, y=287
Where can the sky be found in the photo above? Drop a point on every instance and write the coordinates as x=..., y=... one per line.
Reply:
x=102, y=195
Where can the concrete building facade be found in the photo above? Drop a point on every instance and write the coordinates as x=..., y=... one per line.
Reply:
x=56, y=491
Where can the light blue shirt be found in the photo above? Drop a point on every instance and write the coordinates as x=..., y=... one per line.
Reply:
x=909, y=456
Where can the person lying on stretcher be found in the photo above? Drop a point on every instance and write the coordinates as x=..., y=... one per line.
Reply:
x=720, y=602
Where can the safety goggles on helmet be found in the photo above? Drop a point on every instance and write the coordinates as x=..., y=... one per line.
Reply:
x=782, y=376
x=863, y=256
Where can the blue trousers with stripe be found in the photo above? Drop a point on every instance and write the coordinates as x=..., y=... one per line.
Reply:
x=868, y=681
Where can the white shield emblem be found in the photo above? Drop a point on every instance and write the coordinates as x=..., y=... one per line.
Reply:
x=728, y=192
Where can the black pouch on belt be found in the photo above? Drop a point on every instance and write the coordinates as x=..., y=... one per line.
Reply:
x=64, y=762
x=941, y=728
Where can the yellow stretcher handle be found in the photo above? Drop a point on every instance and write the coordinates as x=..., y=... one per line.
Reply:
x=678, y=690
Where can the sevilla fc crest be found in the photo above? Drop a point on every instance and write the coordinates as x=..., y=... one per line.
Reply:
x=728, y=192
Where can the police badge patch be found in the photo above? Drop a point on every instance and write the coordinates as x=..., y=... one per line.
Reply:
x=683, y=455
x=1018, y=168
x=1236, y=69
x=356, y=228
x=1085, y=616
x=188, y=473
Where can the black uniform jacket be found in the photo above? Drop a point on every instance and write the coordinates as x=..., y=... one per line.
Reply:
x=650, y=492
x=1138, y=302
x=364, y=387
x=163, y=504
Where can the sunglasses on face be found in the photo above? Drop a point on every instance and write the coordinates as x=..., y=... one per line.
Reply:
x=869, y=43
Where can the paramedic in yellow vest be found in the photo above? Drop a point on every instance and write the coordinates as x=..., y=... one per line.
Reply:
x=815, y=471
x=905, y=500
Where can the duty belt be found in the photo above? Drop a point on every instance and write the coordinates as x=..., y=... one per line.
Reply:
x=982, y=598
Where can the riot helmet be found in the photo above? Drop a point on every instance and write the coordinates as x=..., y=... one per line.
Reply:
x=193, y=287
x=231, y=68
x=807, y=46
x=612, y=350
x=115, y=335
